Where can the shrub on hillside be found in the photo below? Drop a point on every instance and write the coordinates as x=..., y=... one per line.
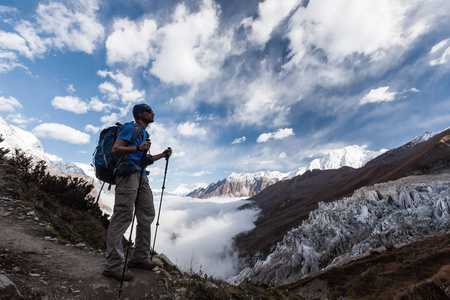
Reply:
x=3, y=151
x=64, y=202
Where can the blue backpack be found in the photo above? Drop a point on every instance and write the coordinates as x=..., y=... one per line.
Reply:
x=104, y=162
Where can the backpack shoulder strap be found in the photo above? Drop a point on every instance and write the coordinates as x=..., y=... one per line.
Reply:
x=137, y=131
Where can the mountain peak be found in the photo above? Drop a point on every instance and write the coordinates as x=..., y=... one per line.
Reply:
x=351, y=156
x=17, y=138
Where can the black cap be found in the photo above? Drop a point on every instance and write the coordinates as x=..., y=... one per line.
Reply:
x=138, y=109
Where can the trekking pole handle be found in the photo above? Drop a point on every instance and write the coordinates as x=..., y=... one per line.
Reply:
x=167, y=157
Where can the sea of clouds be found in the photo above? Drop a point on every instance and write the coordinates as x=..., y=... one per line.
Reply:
x=196, y=234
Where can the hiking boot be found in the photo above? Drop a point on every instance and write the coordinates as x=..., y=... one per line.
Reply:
x=144, y=264
x=118, y=274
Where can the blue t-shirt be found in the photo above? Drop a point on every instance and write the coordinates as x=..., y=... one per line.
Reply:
x=126, y=133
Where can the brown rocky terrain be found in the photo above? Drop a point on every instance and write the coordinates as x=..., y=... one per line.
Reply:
x=419, y=270
x=287, y=204
x=42, y=268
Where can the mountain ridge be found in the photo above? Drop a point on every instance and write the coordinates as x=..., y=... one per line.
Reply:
x=250, y=184
x=239, y=185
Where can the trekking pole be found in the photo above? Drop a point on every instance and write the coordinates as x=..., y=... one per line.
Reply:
x=120, y=288
x=160, y=204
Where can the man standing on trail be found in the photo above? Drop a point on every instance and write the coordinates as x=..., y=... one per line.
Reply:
x=129, y=172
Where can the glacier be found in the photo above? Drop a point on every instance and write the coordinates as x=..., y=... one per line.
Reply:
x=397, y=212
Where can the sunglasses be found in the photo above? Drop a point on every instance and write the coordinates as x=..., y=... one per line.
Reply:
x=150, y=111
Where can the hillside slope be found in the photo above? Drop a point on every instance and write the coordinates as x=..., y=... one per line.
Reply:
x=41, y=267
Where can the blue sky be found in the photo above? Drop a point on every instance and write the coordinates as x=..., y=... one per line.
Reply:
x=237, y=86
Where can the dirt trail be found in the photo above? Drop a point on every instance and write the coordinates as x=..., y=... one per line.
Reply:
x=43, y=269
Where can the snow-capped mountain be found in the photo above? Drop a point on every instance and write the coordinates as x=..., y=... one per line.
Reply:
x=17, y=138
x=421, y=138
x=395, y=212
x=239, y=185
x=180, y=190
x=249, y=184
x=351, y=156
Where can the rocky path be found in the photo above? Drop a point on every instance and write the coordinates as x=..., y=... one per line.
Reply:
x=41, y=268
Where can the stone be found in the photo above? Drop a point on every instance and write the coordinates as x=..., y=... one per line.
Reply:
x=168, y=265
x=4, y=213
x=211, y=285
x=8, y=289
x=389, y=247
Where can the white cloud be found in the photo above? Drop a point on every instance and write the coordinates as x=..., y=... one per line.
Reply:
x=239, y=140
x=73, y=26
x=282, y=155
x=441, y=53
x=200, y=173
x=380, y=94
x=61, y=132
x=91, y=128
x=186, y=51
x=271, y=13
x=9, y=104
x=70, y=89
x=36, y=44
x=8, y=61
x=200, y=184
x=122, y=90
x=190, y=49
x=439, y=46
x=20, y=119
x=191, y=129
x=109, y=89
x=14, y=42
x=377, y=29
x=78, y=106
x=96, y=105
x=261, y=104
x=179, y=154
x=130, y=42
x=190, y=229
x=115, y=117
x=199, y=117
x=278, y=135
x=110, y=119
x=7, y=9
x=70, y=103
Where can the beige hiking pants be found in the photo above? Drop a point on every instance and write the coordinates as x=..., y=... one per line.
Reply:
x=126, y=191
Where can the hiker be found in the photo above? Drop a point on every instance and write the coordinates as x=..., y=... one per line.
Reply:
x=129, y=172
